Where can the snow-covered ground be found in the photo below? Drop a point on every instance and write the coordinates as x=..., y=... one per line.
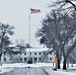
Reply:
x=47, y=67
x=60, y=72
x=10, y=67
x=70, y=71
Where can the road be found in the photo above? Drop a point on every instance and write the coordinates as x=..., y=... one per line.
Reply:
x=26, y=71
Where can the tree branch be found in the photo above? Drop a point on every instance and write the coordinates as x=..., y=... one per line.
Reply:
x=67, y=1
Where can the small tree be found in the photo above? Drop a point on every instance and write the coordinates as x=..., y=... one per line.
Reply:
x=28, y=45
x=5, y=32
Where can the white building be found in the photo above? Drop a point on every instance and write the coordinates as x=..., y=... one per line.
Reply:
x=35, y=54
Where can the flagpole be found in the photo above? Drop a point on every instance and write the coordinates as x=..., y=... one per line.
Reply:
x=29, y=28
x=30, y=12
x=29, y=34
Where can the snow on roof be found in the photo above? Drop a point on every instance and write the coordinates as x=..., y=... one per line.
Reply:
x=36, y=49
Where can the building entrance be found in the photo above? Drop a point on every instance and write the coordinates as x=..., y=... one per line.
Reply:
x=29, y=60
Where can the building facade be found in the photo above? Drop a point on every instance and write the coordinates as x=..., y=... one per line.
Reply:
x=35, y=54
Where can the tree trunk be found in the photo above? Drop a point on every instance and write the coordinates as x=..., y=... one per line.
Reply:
x=0, y=56
x=64, y=64
x=0, y=60
x=58, y=63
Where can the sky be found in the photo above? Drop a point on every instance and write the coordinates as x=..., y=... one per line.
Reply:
x=16, y=13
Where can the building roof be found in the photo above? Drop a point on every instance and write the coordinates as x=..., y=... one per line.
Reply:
x=36, y=49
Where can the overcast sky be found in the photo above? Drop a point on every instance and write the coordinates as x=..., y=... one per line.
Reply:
x=16, y=13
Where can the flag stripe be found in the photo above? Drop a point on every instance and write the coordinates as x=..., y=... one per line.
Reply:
x=35, y=10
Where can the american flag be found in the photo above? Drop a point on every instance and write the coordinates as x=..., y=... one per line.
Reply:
x=35, y=10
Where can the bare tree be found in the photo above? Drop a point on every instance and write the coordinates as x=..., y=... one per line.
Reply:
x=67, y=5
x=21, y=45
x=58, y=29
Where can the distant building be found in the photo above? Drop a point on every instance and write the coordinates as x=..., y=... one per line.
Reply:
x=35, y=54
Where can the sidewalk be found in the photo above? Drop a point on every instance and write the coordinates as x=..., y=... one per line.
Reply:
x=8, y=67
x=50, y=71
x=3, y=70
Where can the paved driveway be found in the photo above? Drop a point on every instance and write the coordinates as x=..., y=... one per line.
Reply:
x=26, y=71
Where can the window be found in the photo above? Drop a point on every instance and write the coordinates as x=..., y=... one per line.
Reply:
x=25, y=53
x=4, y=59
x=35, y=58
x=25, y=59
x=50, y=58
x=35, y=53
x=30, y=53
x=44, y=53
x=20, y=59
x=39, y=58
x=39, y=53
